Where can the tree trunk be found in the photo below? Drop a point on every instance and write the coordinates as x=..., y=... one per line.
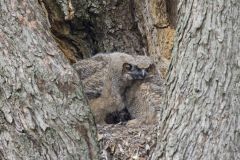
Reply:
x=200, y=118
x=43, y=113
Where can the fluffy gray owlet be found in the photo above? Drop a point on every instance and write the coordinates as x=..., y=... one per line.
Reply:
x=107, y=77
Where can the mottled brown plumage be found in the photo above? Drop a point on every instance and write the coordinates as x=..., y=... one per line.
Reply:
x=107, y=78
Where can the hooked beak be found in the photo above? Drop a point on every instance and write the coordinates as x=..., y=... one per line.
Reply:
x=140, y=75
x=143, y=73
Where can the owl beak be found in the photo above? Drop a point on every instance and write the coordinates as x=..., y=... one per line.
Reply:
x=144, y=73
x=139, y=74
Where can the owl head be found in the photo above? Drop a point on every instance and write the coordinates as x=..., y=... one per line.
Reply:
x=136, y=72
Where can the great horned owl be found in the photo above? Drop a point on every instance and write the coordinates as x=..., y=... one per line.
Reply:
x=107, y=77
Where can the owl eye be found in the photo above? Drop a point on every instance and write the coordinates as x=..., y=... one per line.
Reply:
x=127, y=66
x=151, y=68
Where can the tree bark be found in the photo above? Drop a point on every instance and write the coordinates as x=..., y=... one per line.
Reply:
x=200, y=118
x=43, y=113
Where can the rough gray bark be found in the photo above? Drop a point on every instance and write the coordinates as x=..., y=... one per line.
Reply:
x=202, y=104
x=43, y=113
